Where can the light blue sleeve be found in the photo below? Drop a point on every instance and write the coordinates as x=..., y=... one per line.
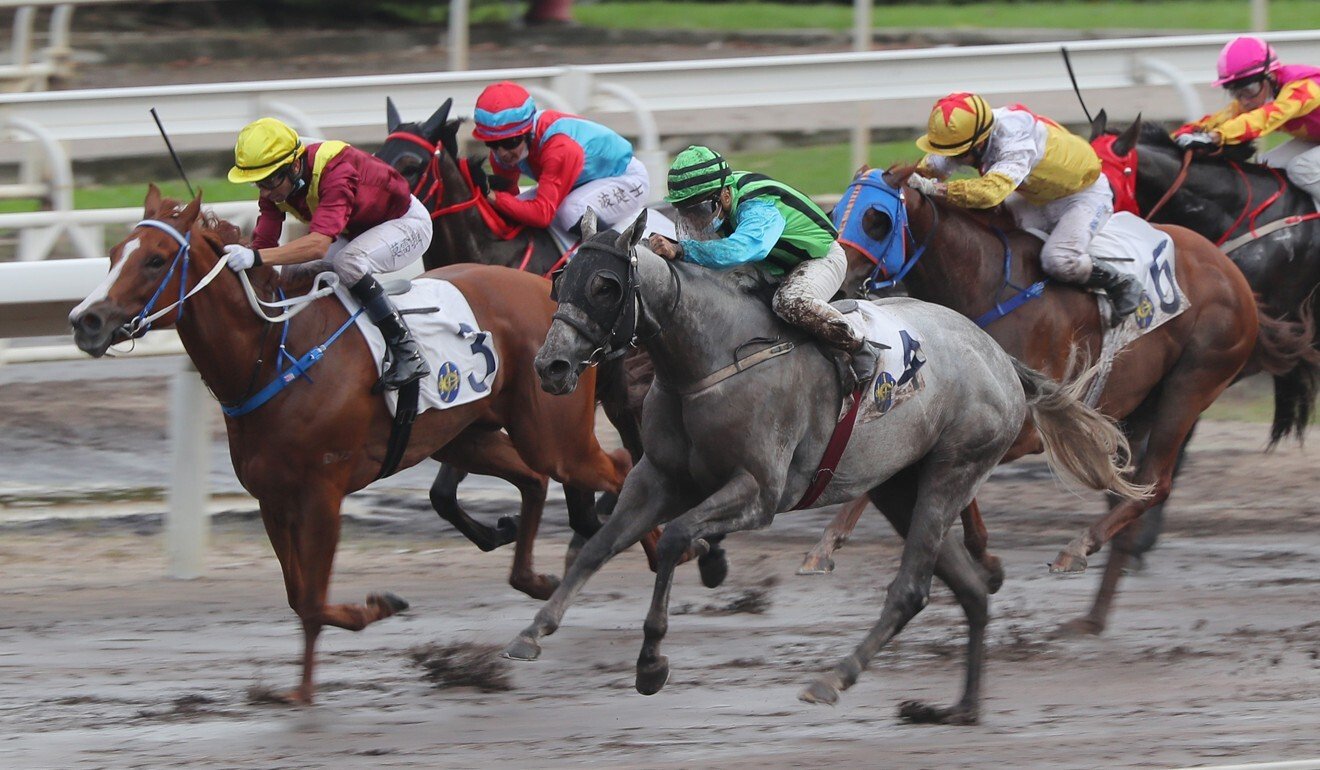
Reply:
x=759, y=226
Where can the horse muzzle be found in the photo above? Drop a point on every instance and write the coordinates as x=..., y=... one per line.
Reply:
x=97, y=328
x=559, y=375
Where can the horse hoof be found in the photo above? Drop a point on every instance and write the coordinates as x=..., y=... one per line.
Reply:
x=522, y=648
x=1068, y=562
x=920, y=713
x=819, y=691
x=994, y=569
x=816, y=565
x=1077, y=627
x=714, y=568
x=507, y=528
x=651, y=677
x=388, y=601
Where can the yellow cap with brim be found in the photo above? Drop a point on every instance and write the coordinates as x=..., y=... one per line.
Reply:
x=263, y=147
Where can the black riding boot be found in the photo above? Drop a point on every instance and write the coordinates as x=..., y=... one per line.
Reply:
x=1122, y=289
x=864, y=360
x=404, y=361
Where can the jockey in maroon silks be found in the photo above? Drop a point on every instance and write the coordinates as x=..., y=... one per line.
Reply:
x=362, y=218
x=576, y=164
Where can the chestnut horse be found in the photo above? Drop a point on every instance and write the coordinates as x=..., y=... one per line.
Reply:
x=318, y=440
x=1159, y=384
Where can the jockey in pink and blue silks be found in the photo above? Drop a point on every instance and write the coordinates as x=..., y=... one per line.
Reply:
x=576, y=163
x=1268, y=96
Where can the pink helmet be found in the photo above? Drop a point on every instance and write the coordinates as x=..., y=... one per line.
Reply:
x=504, y=110
x=1245, y=57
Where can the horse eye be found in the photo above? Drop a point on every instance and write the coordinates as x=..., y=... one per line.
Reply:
x=605, y=289
x=155, y=261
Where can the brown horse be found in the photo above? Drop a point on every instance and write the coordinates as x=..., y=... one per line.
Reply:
x=318, y=440
x=1159, y=384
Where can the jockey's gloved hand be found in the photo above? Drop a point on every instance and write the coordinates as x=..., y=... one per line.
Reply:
x=241, y=257
x=1196, y=140
x=926, y=184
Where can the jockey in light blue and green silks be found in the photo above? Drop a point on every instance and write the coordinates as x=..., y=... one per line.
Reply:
x=728, y=218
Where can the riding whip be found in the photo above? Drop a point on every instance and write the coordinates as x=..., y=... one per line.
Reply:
x=175, y=155
x=1068, y=63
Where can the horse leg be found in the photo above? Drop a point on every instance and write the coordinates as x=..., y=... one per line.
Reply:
x=491, y=453
x=817, y=560
x=444, y=494
x=735, y=506
x=1152, y=521
x=977, y=540
x=921, y=502
x=305, y=544
x=964, y=576
x=648, y=500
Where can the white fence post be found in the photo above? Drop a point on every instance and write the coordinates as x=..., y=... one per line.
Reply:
x=186, y=521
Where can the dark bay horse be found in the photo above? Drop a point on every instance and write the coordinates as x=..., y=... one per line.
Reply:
x=318, y=440
x=1159, y=384
x=453, y=188
x=1227, y=199
x=731, y=443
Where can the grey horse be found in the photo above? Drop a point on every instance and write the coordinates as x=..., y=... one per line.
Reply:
x=733, y=437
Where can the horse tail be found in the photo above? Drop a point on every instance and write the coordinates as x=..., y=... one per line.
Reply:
x=1286, y=349
x=1080, y=443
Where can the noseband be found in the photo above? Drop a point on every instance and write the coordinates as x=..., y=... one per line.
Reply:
x=622, y=333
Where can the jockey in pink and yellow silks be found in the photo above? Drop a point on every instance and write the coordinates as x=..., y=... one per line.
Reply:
x=1268, y=96
x=1048, y=177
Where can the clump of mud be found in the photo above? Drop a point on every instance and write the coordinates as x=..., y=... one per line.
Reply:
x=463, y=664
x=751, y=601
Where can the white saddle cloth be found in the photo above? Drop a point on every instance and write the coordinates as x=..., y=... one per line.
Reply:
x=462, y=358
x=1133, y=246
x=898, y=371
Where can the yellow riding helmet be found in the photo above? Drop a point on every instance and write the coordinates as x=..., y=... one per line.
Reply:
x=959, y=122
x=264, y=146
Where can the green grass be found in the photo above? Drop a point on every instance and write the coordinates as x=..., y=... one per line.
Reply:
x=821, y=169
x=115, y=196
x=1226, y=15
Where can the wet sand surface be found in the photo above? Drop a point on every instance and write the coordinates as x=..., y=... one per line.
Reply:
x=1212, y=656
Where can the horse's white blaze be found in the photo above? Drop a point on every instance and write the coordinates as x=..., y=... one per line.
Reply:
x=103, y=289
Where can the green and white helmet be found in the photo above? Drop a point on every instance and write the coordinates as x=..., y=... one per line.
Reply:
x=696, y=171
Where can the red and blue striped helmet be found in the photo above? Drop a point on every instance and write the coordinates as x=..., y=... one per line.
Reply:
x=504, y=110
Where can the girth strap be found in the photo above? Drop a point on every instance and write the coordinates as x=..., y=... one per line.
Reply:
x=405, y=412
x=833, y=452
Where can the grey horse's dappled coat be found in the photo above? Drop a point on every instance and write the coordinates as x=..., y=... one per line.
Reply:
x=730, y=456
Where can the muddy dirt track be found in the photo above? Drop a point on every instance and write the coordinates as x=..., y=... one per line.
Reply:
x=1213, y=656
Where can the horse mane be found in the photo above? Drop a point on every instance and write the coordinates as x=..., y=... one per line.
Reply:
x=1156, y=135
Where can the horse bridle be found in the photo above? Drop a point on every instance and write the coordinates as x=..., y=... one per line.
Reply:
x=622, y=333
x=435, y=190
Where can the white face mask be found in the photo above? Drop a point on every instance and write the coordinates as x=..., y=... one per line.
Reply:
x=701, y=222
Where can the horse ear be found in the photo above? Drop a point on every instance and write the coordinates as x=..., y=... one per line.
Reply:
x=1098, y=124
x=436, y=123
x=190, y=213
x=1128, y=139
x=152, y=202
x=629, y=238
x=862, y=169
x=876, y=224
x=587, y=225
x=392, y=120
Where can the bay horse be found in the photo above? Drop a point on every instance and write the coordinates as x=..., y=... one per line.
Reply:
x=467, y=230
x=1159, y=384
x=1228, y=200
x=734, y=436
x=318, y=440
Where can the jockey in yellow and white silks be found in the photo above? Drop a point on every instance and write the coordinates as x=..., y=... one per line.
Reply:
x=1048, y=177
x=1268, y=96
